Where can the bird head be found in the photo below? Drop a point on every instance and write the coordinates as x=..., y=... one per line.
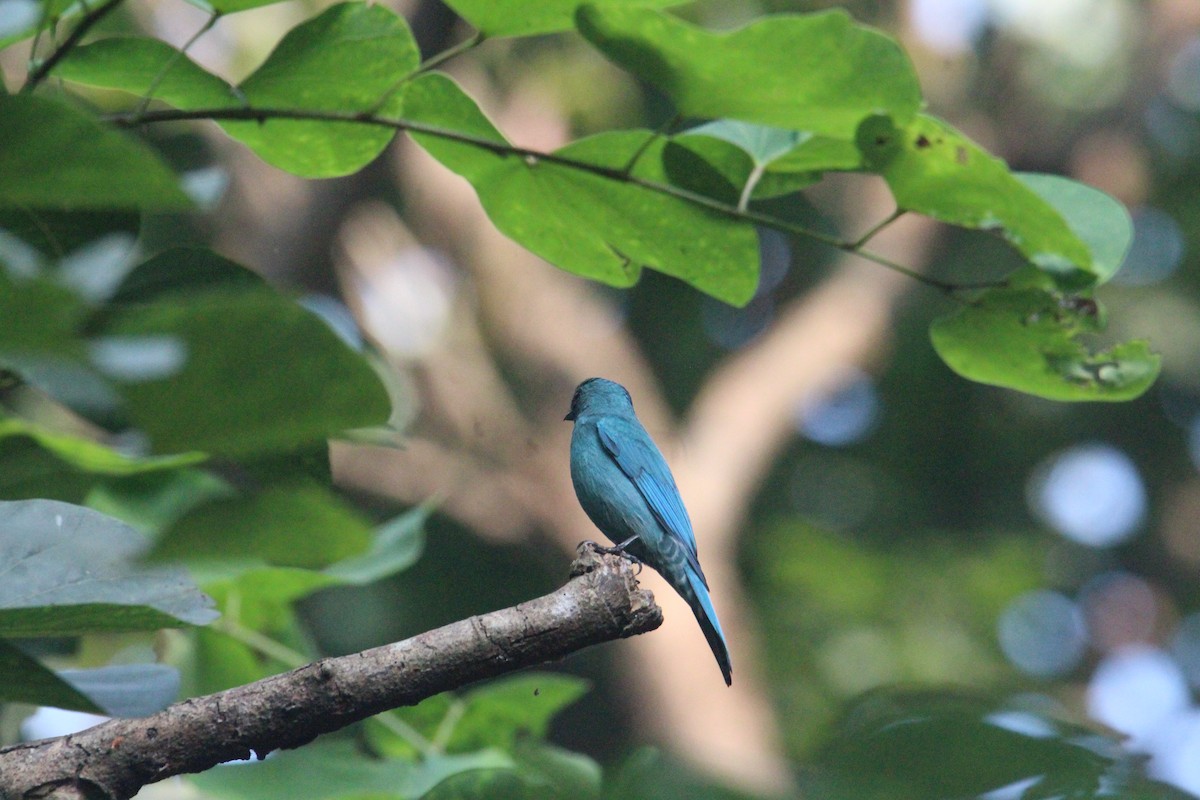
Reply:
x=599, y=396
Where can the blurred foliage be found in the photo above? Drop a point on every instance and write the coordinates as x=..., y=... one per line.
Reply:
x=175, y=391
x=853, y=616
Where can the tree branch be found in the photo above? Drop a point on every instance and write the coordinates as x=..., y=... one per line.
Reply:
x=260, y=115
x=43, y=69
x=115, y=759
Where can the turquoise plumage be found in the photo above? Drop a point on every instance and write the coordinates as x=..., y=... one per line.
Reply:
x=625, y=486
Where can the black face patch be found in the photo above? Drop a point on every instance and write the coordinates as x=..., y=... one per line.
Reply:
x=574, y=404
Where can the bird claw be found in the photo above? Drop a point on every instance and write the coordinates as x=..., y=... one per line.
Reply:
x=617, y=550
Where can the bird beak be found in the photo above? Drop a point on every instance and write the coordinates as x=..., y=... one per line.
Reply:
x=569, y=417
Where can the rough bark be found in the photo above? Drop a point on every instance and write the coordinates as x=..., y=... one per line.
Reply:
x=115, y=759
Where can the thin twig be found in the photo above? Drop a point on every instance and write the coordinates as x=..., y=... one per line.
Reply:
x=432, y=62
x=85, y=24
x=751, y=181
x=438, y=59
x=875, y=229
x=533, y=157
x=178, y=54
x=644, y=146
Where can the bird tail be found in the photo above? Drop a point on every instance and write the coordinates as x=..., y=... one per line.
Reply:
x=697, y=597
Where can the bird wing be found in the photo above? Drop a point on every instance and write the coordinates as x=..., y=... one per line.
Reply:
x=633, y=451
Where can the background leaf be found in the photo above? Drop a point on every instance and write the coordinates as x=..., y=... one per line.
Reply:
x=396, y=545
x=54, y=156
x=509, y=709
x=285, y=379
x=70, y=570
x=820, y=73
x=327, y=769
x=298, y=526
x=126, y=690
x=24, y=680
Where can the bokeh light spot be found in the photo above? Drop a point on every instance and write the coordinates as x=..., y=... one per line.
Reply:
x=730, y=327
x=1183, y=78
x=1156, y=251
x=1175, y=752
x=1090, y=493
x=948, y=26
x=1185, y=647
x=1042, y=633
x=1121, y=609
x=844, y=417
x=1135, y=690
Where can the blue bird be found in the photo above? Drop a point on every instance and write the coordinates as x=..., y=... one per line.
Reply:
x=626, y=488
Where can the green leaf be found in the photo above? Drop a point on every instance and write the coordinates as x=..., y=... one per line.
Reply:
x=434, y=100
x=41, y=340
x=1099, y=220
x=56, y=233
x=539, y=772
x=181, y=272
x=935, y=170
x=295, y=526
x=90, y=456
x=1028, y=338
x=747, y=157
x=396, y=546
x=511, y=709
x=38, y=462
x=261, y=374
x=145, y=66
x=126, y=690
x=25, y=680
x=221, y=662
x=820, y=73
x=344, y=60
x=783, y=150
x=602, y=227
x=502, y=714
x=24, y=18
x=53, y=156
x=151, y=501
x=232, y=6
x=914, y=745
x=495, y=18
x=264, y=594
x=41, y=319
x=71, y=570
x=333, y=769
x=559, y=771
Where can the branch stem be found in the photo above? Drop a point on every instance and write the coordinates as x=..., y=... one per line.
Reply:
x=91, y=18
x=875, y=229
x=428, y=64
x=178, y=54
x=532, y=158
x=115, y=759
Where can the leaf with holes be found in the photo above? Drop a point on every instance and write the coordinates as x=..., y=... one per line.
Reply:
x=1028, y=337
x=935, y=170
